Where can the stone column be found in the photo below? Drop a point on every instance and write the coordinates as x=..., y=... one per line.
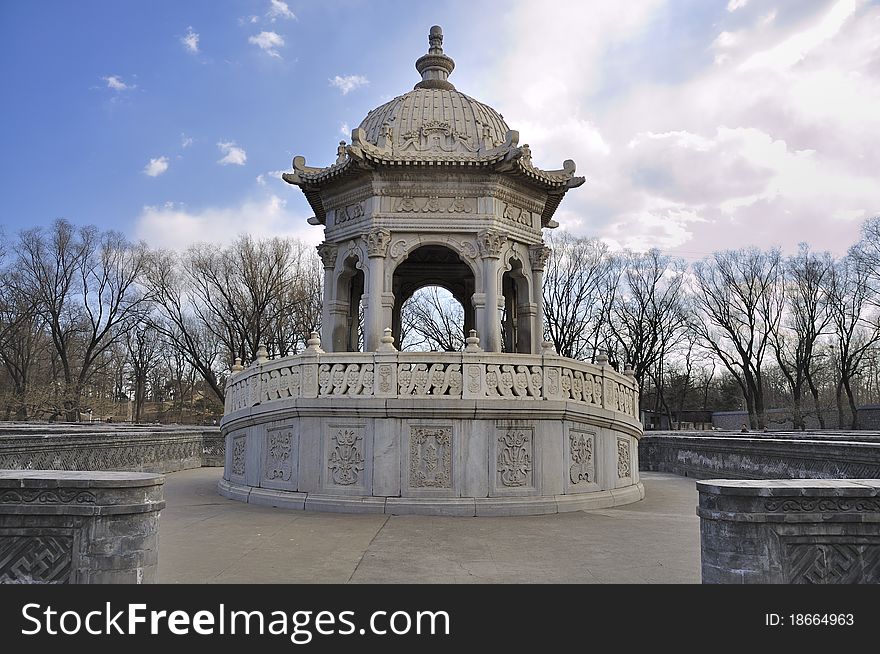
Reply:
x=490, y=244
x=538, y=254
x=377, y=241
x=327, y=252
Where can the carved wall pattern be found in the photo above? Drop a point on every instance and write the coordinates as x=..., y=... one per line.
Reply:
x=35, y=559
x=624, y=462
x=824, y=505
x=345, y=460
x=341, y=379
x=832, y=563
x=515, y=455
x=25, y=496
x=279, y=448
x=430, y=457
x=581, y=467
x=105, y=454
x=238, y=455
x=439, y=379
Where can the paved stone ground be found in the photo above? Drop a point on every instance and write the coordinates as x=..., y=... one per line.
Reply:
x=205, y=538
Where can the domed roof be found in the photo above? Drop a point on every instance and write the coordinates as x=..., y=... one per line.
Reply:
x=434, y=118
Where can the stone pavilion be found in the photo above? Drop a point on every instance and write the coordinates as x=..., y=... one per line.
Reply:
x=434, y=189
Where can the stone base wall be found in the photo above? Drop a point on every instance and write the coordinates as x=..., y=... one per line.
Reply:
x=432, y=456
x=61, y=527
x=790, y=531
x=707, y=457
x=118, y=447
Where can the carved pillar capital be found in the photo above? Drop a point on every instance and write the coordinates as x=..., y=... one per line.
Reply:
x=327, y=252
x=377, y=241
x=539, y=255
x=490, y=244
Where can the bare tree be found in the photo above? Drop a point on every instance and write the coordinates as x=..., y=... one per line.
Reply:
x=794, y=339
x=740, y=298
x=84, y=284
x=856, y=332
x=649, y=312
x=432, y=320
x=580, y=280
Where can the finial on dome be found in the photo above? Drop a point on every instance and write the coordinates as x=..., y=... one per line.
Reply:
x=435, y=67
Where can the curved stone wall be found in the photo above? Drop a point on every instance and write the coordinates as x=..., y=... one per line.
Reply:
x=435, y=433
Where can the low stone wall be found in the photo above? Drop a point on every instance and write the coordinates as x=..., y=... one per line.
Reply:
x=147, y=448
x=788, y=457
x=790, y=531
x=61, y=527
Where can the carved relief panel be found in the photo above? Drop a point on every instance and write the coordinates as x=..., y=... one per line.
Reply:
x=347, y=459
x=430, y=457
x=514, y=459
x=279, y=458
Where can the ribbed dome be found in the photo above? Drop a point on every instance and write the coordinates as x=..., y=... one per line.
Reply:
x=435, y=121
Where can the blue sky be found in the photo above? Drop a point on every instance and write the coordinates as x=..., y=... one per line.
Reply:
x=698, y=124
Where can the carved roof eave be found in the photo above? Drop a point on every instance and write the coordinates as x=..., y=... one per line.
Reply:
x=362, y=156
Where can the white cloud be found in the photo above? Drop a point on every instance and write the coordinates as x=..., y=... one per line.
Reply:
x=115, y=82
x=176, y=226
x=799, y=45
x=185, y=141
x=733, y=5
x=156, y=166
x=268, y=42
x=272, y=174
x=344, y=129
x=279, y=9
x=775, y=152
x=349, y=83
x=190, y=41
x=232, y=154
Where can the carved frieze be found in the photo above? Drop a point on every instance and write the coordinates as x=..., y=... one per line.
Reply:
x=434, y=204
x=349, y=213
x=436, y=136
x=517, y=215
x=40, y=559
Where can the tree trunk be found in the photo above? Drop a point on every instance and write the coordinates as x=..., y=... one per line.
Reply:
x=839, y=397
x=815, y=393
x=854, y=424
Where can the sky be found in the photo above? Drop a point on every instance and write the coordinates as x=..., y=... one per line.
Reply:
x=699, y=124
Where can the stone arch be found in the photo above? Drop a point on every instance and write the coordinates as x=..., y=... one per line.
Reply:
x=344, y=313
x=518, y=321
x=436, y=263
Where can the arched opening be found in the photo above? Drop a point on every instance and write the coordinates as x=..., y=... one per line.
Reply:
x=437, y=266
x=432, y=319
x=516, y=319
x=348, y=328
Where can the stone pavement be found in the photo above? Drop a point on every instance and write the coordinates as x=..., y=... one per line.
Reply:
x=205, y=538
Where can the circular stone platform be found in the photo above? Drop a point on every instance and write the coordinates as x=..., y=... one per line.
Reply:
x=432, y=433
